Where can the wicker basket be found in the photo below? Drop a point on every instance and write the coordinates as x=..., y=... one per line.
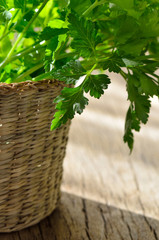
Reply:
x=31, y=156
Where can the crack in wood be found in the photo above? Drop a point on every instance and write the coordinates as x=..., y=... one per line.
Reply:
x=119, y=233
x=108, y=220
x=86, y=219
x=151, y=228
x=104, y=221
x=135, y=225
x=19, y=236
x=69, y=214
x=69, y=231
x=114, y=226
x=49, y=221
x=126, y=223
x=40, y=230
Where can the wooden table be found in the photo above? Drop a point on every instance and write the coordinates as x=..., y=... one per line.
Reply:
x=106, y=193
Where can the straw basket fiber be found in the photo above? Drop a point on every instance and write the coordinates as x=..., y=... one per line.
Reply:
x=31, y=156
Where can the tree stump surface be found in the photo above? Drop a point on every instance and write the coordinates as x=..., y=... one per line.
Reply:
x=107, y=194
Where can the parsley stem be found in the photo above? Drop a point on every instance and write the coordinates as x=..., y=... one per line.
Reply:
x=48, y=74
x=28, y=72
x=21, y=35
x=87, y=75
x=12, y=19
x=4, y=31
x=124, y=75
x=65, y=55
x=8, y=26
x=28, y=50
x=49, y=14
x=94, y=5
x=42, y=77
x=91, y=70
x=26, y=28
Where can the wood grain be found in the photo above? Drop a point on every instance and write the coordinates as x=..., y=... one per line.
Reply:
x=107, y=194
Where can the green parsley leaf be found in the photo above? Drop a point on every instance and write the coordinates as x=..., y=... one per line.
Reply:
x=150, y=21
x=51, y=47
x=5, y=46
x=142, y=107
x=69, y=102
x=69, y=73
x=131, y=63
x=113, y=64
x=19, y=3
x=62, y=3
x=69, y=39
x=96, y=84
x=131, y=123
x=84, y=34
x=141, y=102
x=80, y=6
x=3, y=3
x=124, y=4
x=133, y=47
x=126, y=31
x=148, y=85
x=49, y=32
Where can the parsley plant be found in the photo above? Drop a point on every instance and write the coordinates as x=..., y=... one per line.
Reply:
x=69, y=39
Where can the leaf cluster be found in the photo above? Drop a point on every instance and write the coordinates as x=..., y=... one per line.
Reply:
x=79, y=43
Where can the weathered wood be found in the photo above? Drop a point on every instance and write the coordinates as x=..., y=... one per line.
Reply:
x=77, y=218
x=107, y=193
x=13, y=236
x=31, y=233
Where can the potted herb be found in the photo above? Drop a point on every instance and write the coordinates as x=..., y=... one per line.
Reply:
x=64, y=40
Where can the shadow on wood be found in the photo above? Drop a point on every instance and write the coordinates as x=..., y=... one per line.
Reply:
x=77, y=218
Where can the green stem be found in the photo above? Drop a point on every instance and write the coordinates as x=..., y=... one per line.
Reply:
x=91, y=70
x=49, y=14
x=48, y=75
x=9, y=25
x=149, y=57
x=42, y=77
x=88, y=74
x=13, y=17
x=94, y=5
x=21, y=35
x=65, y=55
x=4, y=31
x=27, y=51
x=26, y=29
x=124, y=75
x=28, y=72
x=23, y=53
x=24, y=5
x=153, y=74
x=34, y=48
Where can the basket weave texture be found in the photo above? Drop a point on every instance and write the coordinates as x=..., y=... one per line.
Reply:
x=31, y=156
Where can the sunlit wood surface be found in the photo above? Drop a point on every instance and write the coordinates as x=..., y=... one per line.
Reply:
x=106, y=193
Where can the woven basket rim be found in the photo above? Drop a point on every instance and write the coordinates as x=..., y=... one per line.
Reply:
x=21, y=86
